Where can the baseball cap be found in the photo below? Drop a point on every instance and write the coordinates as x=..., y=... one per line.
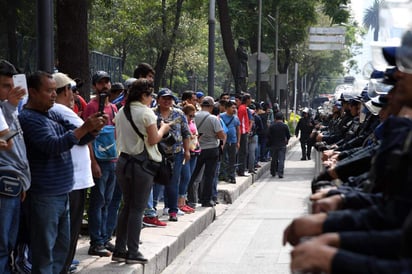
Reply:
x=117, y=86
x=62, y=80
x=6, y=68
x=166, y=92
x=208, y=101
x=99, y=75
x=199, y=94
x=128, y=83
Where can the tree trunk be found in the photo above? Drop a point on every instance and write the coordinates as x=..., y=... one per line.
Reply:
x=72, y=41
x=167, y=49
x=227, y=36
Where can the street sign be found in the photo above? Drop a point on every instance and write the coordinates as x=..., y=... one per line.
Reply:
x=326, y=47
x=327, y=39
x=327, y=31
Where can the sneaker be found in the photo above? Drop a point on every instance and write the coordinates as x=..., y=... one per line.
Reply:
x=138, y=259
x=99, y=250
x=180, y=212
x=186, y=209
x=173, y=217
x=119, y=257
x=75, y=262
x=72, y=269
x=109, y=246
x=165, y=211
x=232, y=181
x=153, y=222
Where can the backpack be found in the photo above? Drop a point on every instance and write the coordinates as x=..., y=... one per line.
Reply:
x=104, y=146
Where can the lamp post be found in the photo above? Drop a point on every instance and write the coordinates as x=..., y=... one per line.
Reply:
x=45, y=49
x=258, y=61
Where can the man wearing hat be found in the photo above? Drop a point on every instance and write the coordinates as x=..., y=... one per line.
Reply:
x=116, y=94
x=103, y=170
x=210, y=132
x=82, y=171
x=13, y=162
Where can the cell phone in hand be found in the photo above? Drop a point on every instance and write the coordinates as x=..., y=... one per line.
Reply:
x=19, y=80
x=9, y=135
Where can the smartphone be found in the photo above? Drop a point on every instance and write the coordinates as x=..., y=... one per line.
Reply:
x=9, y=135
x=19, y=80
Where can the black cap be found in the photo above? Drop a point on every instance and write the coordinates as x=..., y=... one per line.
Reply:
x=99, y=75
x=7, y=69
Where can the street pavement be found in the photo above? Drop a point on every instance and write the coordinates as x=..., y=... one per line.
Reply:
x=261, y=203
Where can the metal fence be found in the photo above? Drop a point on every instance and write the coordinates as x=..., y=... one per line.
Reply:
x=108, y=63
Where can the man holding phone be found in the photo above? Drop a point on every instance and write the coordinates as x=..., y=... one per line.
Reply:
x=14, y=168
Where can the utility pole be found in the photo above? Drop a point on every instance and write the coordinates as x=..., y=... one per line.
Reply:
x=45, y=41
x=211, y=54
x=258, y=61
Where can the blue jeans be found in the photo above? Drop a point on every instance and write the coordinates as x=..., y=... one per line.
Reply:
x=113, y=210
x=172, y=188
x=228, y=164
x=187, y=170
x=278, y=160
x=100, y=197
x=49, y=232
x=9, y=227
x=150, y=211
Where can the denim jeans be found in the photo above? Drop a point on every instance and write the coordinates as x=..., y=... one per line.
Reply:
x=135, y=184
x=278, y=160
x=100, y=197
x=253, y=140
x=187, y=170
x=150, y=211
x=113, y=210
x=172, y=188
x=49, y=232
x=242, y=153
x=215, y=181
x=228, y=165
x=9, y=227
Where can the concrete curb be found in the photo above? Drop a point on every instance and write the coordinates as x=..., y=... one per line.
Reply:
x=162, y=245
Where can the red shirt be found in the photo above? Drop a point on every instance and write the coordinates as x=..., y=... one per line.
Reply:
x=93, y=107
x=243, y=116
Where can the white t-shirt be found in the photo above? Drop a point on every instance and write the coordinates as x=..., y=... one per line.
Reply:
x=3, y=124
x=82, y=165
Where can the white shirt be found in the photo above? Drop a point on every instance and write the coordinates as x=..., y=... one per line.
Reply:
x=3, y=124
x=82, y=165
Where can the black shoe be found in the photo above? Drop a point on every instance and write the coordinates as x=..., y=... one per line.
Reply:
x=252, y=172
x=138, y=259
x=209, y=204
x=109, y=246
x=119, y=257
x=308, y=158
x=280, y=176
x=232, y=181
x=99, y=250
x=303, y=159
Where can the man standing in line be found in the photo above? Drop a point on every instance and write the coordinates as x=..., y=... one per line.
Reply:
x=278, y=139
x=13, y=164
x=49, y=138
x=245, y=126
x=103, y=170
x=83, y=178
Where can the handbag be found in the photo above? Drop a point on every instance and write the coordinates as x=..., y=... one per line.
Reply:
x=104, y=146
x=10, y=185
x=162, y=171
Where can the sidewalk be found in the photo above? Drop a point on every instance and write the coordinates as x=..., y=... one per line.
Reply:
x=162, y=245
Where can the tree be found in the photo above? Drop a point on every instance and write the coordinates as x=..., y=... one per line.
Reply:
x=371, y=18
x=72, y=41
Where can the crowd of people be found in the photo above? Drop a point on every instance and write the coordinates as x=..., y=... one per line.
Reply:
x=66, y=151
x=361, y=201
